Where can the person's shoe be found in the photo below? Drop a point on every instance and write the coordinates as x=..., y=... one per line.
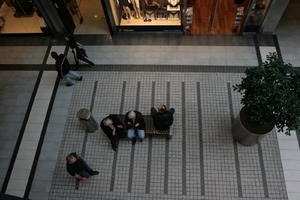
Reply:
x=133, y=141
x=68, y=85
x=141, y=140
x=94, y=173
x=80, y=79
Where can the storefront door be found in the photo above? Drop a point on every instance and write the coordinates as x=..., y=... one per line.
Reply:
x=218, y=16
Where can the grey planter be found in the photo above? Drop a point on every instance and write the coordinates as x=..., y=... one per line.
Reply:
x=243, y=135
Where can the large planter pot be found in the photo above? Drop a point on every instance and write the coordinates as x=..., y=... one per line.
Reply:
x=248, y=133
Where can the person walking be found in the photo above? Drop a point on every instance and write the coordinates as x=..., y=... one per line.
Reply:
x=63, y=69
x=78, y=168
x=162, y=117
x=135, y=126
x=114, y=130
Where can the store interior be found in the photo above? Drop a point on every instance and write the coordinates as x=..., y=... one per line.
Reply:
x=18, y=16
x=147, y=12
x=88, y=16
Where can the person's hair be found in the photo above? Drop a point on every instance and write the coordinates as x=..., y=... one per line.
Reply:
x=105, y=121
x=69, y=157
x=54, y=54
x=164, y=107
x=131, y=115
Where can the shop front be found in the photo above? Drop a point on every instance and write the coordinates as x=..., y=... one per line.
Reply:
x=108, y=16
x=189, y=16
x=19, y=16
x=29, y=17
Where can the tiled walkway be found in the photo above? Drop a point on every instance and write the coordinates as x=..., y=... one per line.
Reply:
x=193, y=74
x=201, y=151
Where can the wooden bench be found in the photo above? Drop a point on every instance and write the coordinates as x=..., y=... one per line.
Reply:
x=150, y=130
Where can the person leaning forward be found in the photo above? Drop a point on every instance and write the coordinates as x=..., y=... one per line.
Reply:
x=114, y=129
x=63, y=69
x=135, y=126
x=78, y=168
x=162, y=117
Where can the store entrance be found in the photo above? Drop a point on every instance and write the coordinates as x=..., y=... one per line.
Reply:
x=19, y=16
x=88, y=16
x=218, y=16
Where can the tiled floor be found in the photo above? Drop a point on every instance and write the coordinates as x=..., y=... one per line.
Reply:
x=288, y=32
x=172, y=55
x=30, y=140
x=16, y=88
x=184, y=157
x=200, y=162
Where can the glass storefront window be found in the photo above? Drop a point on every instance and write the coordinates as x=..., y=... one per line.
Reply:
x=147, y=12
x=256, y=15
x=19, y=16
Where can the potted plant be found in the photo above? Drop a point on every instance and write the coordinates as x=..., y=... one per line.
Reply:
x=271, y=97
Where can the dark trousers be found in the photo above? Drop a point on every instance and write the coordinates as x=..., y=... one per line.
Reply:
x=114, y=139
x=87, y=171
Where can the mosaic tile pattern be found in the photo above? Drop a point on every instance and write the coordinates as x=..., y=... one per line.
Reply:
x=201, y=150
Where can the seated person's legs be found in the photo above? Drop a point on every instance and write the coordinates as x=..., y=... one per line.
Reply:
x=131, y=133
x=141, y=134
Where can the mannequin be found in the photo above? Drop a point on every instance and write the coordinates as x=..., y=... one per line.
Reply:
x=125, y=5
x=174, y=7
x=136, y=6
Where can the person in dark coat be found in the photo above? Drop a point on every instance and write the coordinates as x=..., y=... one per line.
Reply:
x=162, y=117
x=63, y=69
x=114, y=129
x=78, y=168
x=135, y=126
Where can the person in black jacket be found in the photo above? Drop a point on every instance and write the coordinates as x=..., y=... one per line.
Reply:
x=114, y=129
x=135, y=126
x=63, y=68
x=162, y=117
x=78, y=168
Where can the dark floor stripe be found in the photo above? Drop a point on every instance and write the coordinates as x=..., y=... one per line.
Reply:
x=86, y=133
x=137, y=102
x=47, y=53
x=258, y=54
x=263, y=170
x=21, y=133
x=148, y=178
x=277, y=46
x=114, y=164
x=200, y=140
x=41, y=140
x=167, y=146
x=236, y=153
x=183, y=139
x=298, y=137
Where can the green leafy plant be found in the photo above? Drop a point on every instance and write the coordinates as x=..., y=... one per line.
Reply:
x=271, y=94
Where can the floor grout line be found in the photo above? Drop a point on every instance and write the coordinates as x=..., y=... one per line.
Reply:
x=114, y=165
x=86, y=132
x=137, y=103
x=236, y=153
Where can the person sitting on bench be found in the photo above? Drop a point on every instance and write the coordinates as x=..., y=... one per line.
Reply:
x=114, y=129
x=135, y=125
x=162, y=118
